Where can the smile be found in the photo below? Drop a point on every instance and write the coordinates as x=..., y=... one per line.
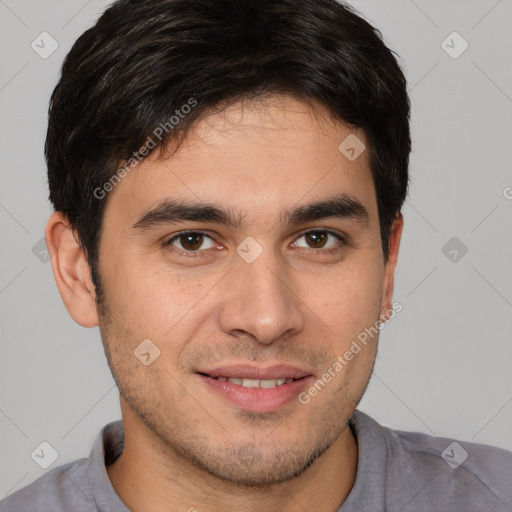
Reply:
x=255, y=383
x=253, y=388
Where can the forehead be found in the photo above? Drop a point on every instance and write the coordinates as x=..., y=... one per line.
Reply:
x=258, y=157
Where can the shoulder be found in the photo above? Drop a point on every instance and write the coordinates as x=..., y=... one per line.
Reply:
x=78, y=486
x=487, y=464
x=61, y=489
x=423, y=472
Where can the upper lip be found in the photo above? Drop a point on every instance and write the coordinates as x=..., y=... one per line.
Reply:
x=245, y=371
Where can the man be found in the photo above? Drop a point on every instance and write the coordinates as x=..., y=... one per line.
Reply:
x=227, y=180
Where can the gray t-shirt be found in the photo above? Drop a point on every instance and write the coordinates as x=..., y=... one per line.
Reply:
x=397, y=471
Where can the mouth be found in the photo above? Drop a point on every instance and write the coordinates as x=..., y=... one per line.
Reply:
x=253, y=383
x=256, y=389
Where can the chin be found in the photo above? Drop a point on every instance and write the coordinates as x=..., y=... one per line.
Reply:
x=246, y=464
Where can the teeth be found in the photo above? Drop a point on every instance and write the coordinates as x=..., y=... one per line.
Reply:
x=250, y=383
x=255, y=383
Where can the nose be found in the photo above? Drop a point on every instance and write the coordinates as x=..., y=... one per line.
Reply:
x=259, y=299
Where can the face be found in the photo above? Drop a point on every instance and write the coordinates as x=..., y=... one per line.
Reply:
x=249, y=293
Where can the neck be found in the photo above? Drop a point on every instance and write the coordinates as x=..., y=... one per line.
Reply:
x=150, y=478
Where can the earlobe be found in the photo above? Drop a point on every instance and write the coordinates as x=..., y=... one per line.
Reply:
x=389, y=270
x=71, y=271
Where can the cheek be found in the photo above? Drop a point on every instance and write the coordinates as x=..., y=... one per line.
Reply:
x=154, y=302
x=350, y=299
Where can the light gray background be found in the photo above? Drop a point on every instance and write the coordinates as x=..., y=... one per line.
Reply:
x=444, y=361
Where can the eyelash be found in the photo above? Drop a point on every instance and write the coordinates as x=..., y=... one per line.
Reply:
x=197, y=253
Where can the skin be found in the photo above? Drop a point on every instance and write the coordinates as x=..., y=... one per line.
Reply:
x=187, y=447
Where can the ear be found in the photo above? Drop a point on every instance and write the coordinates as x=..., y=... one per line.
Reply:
x=389, y=270
x=71, y=271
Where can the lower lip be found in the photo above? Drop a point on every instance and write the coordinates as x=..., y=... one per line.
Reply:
x=257, y=399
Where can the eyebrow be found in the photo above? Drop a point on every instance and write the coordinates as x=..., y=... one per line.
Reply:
x=342, y=206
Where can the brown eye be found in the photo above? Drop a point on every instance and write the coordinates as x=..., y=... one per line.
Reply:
x=319, y=239
x=191, y=241
x=316, y=239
